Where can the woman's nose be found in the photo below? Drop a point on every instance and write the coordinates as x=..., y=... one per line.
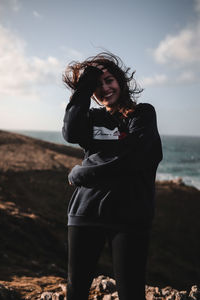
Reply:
x=104, y=88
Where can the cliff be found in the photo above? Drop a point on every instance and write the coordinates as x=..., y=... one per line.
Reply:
x=34, y=194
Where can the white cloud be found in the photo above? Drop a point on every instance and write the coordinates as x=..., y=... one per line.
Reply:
x=15, y=5
x=20, y=74
x=157, y=79
x=197, y=6
x=75, y=54
x=37, y=14
x=72, y=54
x=186, y=77
x=181, y=49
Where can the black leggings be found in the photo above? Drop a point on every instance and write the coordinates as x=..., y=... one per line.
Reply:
x=129, y=255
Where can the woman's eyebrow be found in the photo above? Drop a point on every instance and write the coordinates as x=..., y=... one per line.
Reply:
x=108, y=77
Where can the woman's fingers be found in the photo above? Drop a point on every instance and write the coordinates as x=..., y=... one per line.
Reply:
x=100, y=67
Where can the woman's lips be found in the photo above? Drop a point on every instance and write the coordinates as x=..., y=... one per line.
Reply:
x=108, y=95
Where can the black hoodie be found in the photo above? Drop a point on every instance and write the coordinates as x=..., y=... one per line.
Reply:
x=116, y=181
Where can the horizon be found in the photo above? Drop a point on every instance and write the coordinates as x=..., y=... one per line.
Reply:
x=60, y=131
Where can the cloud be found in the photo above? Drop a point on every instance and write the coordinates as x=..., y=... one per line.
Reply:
x=15, y=5
x=187, y=76
x=182, y=49
x=184, y=77
x=180, y=52
x=21, y=74
x=72, y=54
x=157, y=79
x=197, y=6
x=37, y=14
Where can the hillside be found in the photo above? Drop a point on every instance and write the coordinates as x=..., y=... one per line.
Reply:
x=34, y=194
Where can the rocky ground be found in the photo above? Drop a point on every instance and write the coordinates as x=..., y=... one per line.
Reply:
x=34, y=194
x=102, y=288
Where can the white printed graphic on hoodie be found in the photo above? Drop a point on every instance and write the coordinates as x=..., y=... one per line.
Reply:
x=103, y=133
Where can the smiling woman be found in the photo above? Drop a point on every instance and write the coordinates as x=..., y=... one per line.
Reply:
x=114, y=74
x=108, y=90
x=114, y=198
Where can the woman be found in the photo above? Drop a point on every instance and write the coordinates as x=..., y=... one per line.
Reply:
x=114, y=198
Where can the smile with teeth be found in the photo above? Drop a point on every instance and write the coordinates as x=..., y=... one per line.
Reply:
x=108, y=95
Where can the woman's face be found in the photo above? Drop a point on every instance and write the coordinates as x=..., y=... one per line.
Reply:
x=108, y=90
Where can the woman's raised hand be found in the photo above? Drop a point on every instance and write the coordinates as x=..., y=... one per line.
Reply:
x=89, y=79
x=98, y=66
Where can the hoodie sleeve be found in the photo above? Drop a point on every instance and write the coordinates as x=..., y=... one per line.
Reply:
x=76, y=125
x=141, y=149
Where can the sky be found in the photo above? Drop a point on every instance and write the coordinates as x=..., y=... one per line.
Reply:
x=158, y=39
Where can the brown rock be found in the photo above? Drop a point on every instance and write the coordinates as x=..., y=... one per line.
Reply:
x=104, y=284
x=194, y=293
x=52, y=296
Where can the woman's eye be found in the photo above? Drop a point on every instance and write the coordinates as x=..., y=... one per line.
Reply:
x=109, y=80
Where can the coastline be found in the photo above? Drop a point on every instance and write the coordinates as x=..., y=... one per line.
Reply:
x=34, y=194
x=179, y=167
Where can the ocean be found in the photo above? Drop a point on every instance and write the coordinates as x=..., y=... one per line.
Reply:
x=181, y=155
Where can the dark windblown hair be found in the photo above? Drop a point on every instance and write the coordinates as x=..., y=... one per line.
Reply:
x=130, y=90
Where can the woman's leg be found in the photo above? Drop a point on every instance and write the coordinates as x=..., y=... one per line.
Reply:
x=84, y=248
x=129, y=254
